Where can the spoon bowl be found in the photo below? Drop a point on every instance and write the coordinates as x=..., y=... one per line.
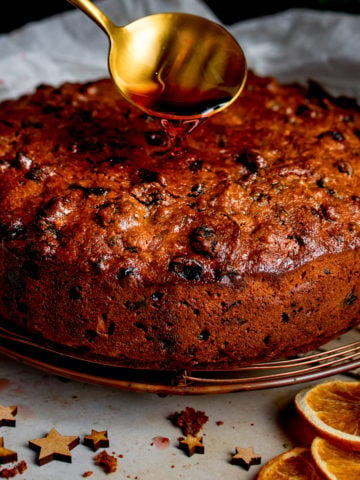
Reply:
x=175, y=66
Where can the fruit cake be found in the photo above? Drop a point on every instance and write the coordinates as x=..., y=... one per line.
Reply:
x=241, y=247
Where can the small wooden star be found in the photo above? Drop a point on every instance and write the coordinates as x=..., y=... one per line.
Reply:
x=6, y=455
x=245, y=457
x=7, y=416
x=97, y=440
x=191, y=445
x=54, y=447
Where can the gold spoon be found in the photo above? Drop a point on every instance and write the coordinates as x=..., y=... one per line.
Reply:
x=173, y=65
x=179, y=67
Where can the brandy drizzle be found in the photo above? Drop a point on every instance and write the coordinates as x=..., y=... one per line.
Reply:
x=178, y=131
x=181, y=116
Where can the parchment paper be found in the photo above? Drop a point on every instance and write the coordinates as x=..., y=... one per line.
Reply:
x=292, y=45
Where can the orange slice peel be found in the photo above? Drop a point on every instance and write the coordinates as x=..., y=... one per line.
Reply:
x=295, y=464
x=334, y=463
x=332, y=410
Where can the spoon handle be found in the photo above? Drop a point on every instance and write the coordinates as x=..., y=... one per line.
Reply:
x=92, y=11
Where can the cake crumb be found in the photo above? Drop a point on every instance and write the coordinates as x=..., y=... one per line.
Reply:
x=12, y=472
x=22, y=466
x=87, y=474
x=107, y=462
x=190, y=421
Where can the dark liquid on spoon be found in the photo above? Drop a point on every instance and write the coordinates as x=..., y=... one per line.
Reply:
x=180, y=110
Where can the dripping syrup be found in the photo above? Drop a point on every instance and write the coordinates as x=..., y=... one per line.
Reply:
x=180, y=110
x=178, y=130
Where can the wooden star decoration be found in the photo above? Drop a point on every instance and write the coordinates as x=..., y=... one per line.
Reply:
x=191, y=445
x=245, y=457
x=97, y=440
x=7, y=416
x=6, y=455
x=54, y=447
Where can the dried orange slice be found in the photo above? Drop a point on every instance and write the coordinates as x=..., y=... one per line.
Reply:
x=332, y=409
x=295, y=464
x=335, y=463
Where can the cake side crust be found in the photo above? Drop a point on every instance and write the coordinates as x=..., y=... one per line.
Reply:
x=211, y=326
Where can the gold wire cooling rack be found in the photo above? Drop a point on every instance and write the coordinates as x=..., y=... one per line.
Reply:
x=312, y=366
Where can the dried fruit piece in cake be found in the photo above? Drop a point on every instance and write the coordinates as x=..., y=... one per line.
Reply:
x=295, y=464
x=332, y=409
x=54, y=447
x=335, y=463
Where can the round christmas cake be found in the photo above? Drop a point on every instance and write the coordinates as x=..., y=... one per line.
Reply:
x=242, y=247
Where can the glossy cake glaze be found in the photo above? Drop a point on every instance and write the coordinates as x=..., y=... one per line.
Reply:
x=242, y=247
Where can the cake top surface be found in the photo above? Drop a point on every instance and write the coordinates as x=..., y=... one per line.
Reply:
x=265, y=186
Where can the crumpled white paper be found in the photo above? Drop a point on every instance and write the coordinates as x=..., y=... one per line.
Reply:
x=298, y=44
x=293, y=45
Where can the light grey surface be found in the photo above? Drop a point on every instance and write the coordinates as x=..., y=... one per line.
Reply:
x=262, y=419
